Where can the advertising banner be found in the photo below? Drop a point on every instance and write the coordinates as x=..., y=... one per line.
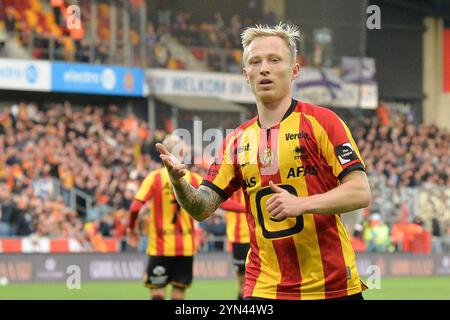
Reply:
x=319, y=86
x=30, y=75
x=97, y=79
x=35, y=267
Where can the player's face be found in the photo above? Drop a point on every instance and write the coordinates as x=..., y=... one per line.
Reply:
x=270, y=69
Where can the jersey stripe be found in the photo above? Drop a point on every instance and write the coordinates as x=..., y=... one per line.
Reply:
x=333, y=262
x=253, y=265
x=353, y=282
x=166, y=236
x=237, y=228
x=284, y=249
x=307, y=239
x=158, y=212
x=289, y=286
x=178, y=231
x=195, y=181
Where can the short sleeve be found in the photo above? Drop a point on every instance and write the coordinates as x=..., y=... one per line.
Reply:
x=145, y=190
x=337, y=144
x=222, y=176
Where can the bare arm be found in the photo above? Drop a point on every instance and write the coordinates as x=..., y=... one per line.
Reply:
x=352, y=194
x=199, y=203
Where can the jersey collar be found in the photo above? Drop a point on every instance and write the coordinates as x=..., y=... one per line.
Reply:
x=287, y=114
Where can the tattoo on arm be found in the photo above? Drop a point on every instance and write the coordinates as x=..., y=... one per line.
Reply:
x=199, y=203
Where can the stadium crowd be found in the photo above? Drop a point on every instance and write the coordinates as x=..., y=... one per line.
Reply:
x=46, y=153
x=408, y=155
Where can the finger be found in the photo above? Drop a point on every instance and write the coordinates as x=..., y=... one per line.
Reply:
x=273, y=205
x=279, y=217
x=275, y=188
x=271, y=200
x=172, y=163
x=181, y=173
x=180, y=167
x=276, y=211
x=166, y=161
x=162, y=149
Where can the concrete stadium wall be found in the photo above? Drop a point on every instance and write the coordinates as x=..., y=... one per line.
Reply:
x=436, y=104
x=25, y=268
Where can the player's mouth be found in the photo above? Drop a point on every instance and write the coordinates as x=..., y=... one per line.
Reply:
x=265, y=82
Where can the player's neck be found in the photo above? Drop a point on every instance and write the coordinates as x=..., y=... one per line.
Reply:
x=270, y=114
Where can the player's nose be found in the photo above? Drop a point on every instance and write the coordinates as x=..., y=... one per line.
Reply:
x=264, y=70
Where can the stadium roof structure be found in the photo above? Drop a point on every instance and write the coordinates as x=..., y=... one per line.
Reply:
x=192, y=103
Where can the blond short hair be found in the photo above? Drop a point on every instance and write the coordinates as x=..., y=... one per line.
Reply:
x=289, y=33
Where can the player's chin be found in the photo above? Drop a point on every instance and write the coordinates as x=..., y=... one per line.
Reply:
x=267, y=96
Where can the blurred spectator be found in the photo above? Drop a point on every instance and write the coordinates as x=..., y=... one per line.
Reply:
x=151, y=40
x=269, y=17
x=357, y=239
x=57, y=6
x=436, y=227
x=164, y=12
x=376, y=234
x=10, y=20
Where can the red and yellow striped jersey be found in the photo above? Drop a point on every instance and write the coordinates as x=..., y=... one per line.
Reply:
x=307, y=153
x=171, y=228
x=237, y=227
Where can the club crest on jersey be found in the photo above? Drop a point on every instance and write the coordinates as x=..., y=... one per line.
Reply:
x=266, y=157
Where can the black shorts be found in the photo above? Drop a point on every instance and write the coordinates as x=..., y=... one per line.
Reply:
x=240, y=251
x=164, y=270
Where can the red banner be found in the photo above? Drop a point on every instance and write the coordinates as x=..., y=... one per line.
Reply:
x=446, y=59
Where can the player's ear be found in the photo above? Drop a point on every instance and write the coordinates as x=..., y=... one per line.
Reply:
x=295, y=71
x=245, y=74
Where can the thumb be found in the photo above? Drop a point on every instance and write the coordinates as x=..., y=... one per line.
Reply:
x=275, y=188
x=162, y=149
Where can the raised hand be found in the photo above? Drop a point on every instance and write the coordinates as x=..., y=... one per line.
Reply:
x=175, y=168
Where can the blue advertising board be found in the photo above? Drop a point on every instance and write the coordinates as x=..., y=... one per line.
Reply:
x=97, y=79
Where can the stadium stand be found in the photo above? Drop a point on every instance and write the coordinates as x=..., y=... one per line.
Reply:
x=40, y=29
x=46, y=153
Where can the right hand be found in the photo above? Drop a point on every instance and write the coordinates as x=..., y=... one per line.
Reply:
x=175, y=168
x=132, y=237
